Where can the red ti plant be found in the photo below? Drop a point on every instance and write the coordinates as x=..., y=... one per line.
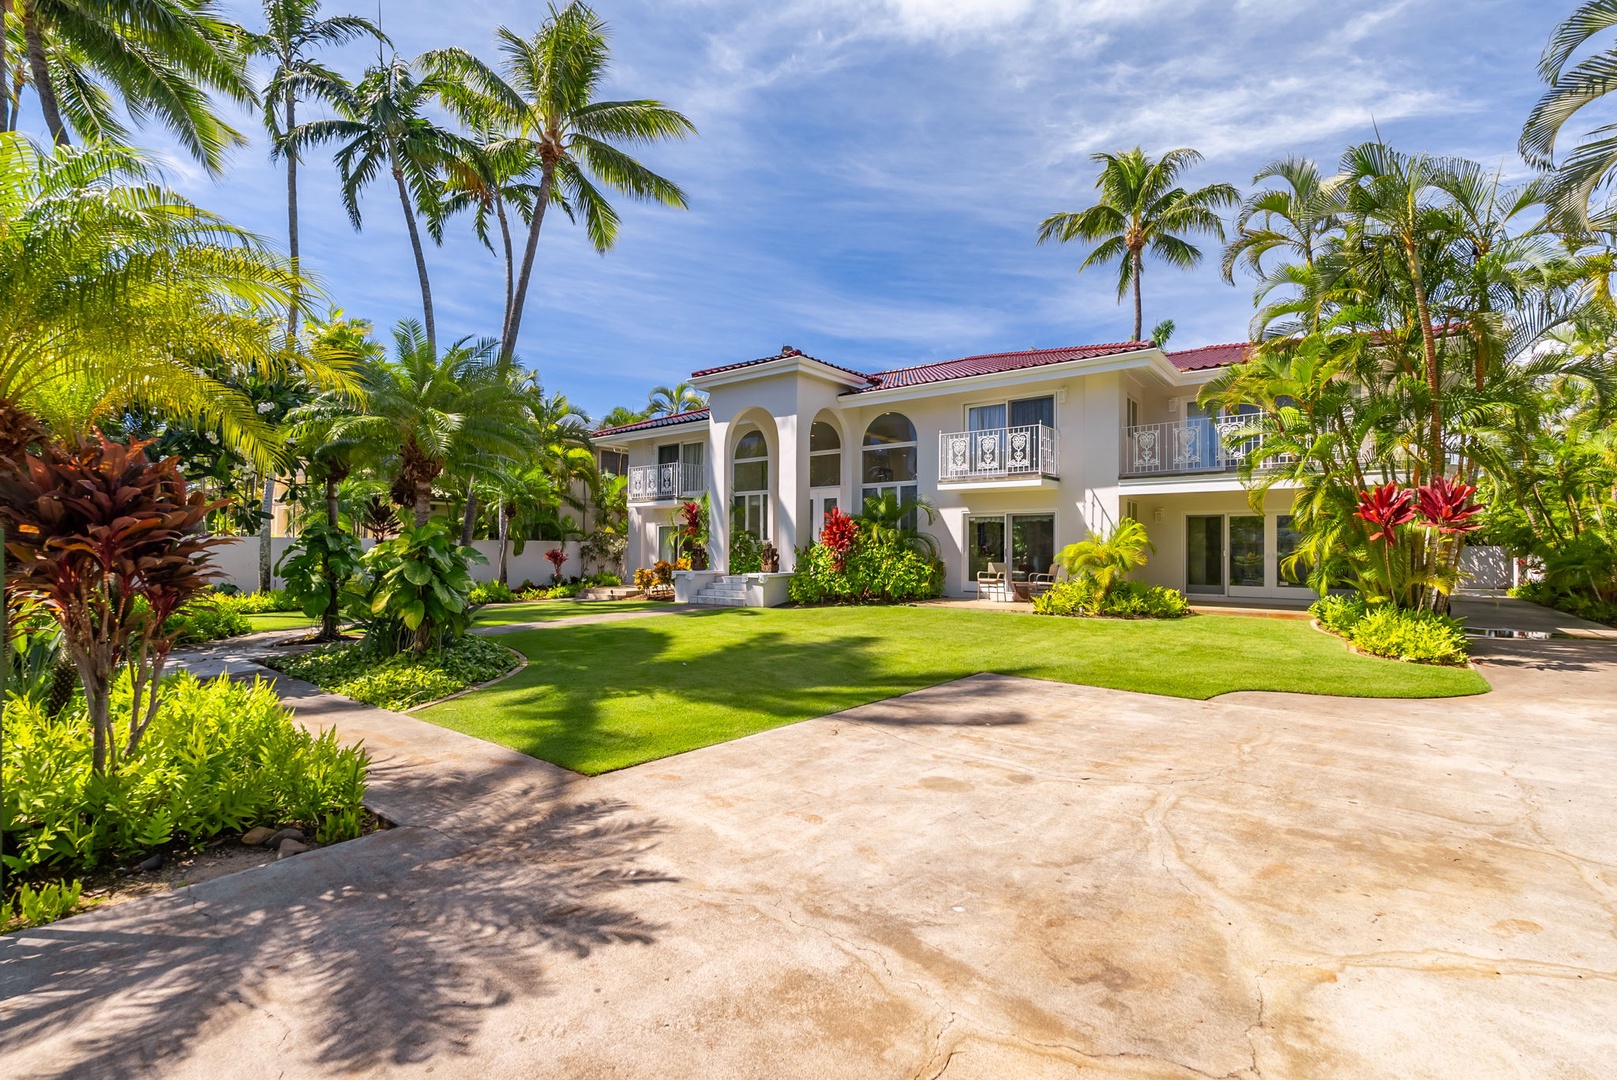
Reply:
x=112, y=544
x=1385, y=508
x=838, y=535
x=693, y=533
x=556, y=557
x=1445, y=505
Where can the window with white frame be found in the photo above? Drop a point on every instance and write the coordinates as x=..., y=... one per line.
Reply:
x=749, y=488
x=825, y=455
x=888, y=461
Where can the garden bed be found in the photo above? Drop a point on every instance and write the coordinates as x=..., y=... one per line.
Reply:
x=404, y=680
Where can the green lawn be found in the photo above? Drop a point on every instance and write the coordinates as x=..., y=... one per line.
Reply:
x=546, y=610
x=610, y=695
x=281, y=620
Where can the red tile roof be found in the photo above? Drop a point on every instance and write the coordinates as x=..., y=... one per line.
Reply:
x=993, y=363
x=1209, y=356
x=690, y=417
x=785, y=352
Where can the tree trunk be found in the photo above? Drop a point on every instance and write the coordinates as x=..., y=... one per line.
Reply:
x=504, y=529
x=547, y=182
x=332, y=517
x=266, y=531
x=510, y=268
x=292, y=223
x=1139, y=326
x=5, y=103
x=468, y=521
x=1429, y=346
x=420, y=258
x=39, y=68
x=423, y=502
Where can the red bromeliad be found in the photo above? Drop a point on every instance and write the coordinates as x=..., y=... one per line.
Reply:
x=838, y=535
x=1386, y=508
x=1445, y=505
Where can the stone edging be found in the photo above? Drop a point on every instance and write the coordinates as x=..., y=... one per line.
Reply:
x=522, y=663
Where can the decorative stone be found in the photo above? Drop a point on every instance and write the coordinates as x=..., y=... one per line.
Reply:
x=285, y=834
x=153, y=863
x=289, y=847
x=255, y=837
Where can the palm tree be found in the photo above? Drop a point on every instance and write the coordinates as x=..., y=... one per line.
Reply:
x=1592, y=162
x=291, y=31
x=623, y=416
x=1293, y=219
x=544, y=99
x=671, y=400
x=1142, y=207
x=427, y=411
x=160, y=57
x=1104, y=558
x=119, y=292
x=381, y=125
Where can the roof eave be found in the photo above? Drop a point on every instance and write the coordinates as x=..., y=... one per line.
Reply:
x=779, y=365
x=1084, y=365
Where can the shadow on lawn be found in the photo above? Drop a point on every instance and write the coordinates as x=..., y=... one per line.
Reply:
x=388, y=951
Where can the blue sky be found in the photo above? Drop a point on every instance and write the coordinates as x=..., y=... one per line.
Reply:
x=870, y=173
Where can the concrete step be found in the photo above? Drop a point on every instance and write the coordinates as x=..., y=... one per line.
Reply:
x=724, y=590
x=718, y=601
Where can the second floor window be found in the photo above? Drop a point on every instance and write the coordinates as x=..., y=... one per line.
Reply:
x=749, y=494
x=1022, y=412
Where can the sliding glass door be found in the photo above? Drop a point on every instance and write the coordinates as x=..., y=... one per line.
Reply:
x=1204, y=551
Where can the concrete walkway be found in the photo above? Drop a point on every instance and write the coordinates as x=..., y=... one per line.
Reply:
x=1507, y=612
x=993, y=878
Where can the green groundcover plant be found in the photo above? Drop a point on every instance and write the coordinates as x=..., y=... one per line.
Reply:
x=1416, y=636
x=1087, y=596
x=402, y=680
x=490, y=592
x=219, y=757
x=206, y=619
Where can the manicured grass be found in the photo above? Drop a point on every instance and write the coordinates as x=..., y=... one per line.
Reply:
x=546, y=610
x=281, y=620
x=609, y=695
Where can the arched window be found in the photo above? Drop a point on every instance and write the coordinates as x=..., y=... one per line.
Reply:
x=749, y=489
x=889, y=458
x=825, y=455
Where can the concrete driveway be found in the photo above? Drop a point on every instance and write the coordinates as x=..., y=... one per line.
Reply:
x=989, y=879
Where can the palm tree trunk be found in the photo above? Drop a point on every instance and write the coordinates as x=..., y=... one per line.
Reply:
x=34, y=37
x=1429, y=346
x=468, y=521
x=423, y=502
x=420, y=258
x=510, y=267
x=265, y=536
x=514, y=324
x=1134, y=257
x=505, y=536
x=332, y=517
x=5, y=111
x=292, y=221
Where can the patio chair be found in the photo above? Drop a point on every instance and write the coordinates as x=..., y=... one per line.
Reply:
x=1037, y=584
x=991, y=583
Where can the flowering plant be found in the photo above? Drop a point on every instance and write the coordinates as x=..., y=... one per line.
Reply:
x=1445, y=505
x=556, y=557
x=838, y=535
x=1385, y=508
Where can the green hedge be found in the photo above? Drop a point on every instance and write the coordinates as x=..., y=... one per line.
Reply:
x=220, y=756
x=1126, y=600
x=877, y=569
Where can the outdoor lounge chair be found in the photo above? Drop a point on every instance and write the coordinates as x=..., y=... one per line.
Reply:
x=991, y=583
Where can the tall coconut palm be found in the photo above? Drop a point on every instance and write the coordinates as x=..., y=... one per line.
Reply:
x=381, y=125
x=160, y=57
x=1591, y=162
x=669, y=400
x=1142, y=207
x=120, y=292
x=544, y=97
x=427, y=410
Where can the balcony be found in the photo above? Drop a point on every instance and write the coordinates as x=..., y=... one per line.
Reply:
x=1019, y=454
x=1181, y=448
x=656, y=483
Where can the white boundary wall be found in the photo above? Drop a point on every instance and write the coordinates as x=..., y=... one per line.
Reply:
x=238, y=561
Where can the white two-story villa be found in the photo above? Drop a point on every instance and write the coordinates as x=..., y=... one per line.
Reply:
x=1021, y=453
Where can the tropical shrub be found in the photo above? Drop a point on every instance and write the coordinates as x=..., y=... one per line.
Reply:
x=219, y=756
x=565, y=591
x=256, y=603
x=206, y=619
x=1339, y=614
x=1581, y=604
x=491, y=592
x=318, y=570
x=605, y=579
x=403, y=680
x=746, y=551
x=1105, y=559
x=110, y=542
x=52, y=900
x=1423, y=637
x=1086, y=596
x=418, y=597
x=879, y=566
x=556, y=557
